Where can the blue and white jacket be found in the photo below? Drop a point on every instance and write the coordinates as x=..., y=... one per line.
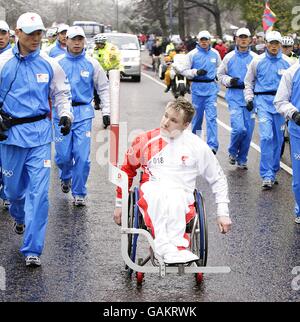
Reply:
x=264, y=74
x=5, y=48
x=287, y=99
x=234, y=65
x=55, y=50
x=26, y=83
x=84, y=74
x=199, y=58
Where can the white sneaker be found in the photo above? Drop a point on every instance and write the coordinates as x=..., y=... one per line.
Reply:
x=79, y=201
x=297, y=220
x=180, y=257
x=33, y=261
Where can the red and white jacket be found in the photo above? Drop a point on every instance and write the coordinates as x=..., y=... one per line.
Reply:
x=175, y=163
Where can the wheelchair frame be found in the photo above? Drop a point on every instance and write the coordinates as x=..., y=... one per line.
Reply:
x=120, y=178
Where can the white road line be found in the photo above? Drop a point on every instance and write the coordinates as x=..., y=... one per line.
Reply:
x=228, y=128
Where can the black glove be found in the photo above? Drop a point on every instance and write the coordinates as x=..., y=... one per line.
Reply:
x=3, y=124
x=2, y=136
x=296, y=118
x=201, y=72
x=97, y=107
x=66, y=123
x=106, y=121
x=234, y=81
x=250, y=106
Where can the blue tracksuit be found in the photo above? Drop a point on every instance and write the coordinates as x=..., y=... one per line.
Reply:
x=234, y=65
x=25, y=85
x=287, y=102
x=264, y=75
x=73, y=150
x=56, y=50
x=2, y=194
x=204, y=90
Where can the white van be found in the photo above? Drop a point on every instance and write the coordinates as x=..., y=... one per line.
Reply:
x=129, y=47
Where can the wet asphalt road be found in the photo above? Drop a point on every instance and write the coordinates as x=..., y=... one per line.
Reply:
x=82, y=260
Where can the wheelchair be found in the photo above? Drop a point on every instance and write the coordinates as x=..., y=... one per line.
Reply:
x=196, y=228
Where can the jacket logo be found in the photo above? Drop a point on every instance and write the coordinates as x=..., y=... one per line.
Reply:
x=42, y=78
x=7, y=173
x=84, y=73
x=184, y=158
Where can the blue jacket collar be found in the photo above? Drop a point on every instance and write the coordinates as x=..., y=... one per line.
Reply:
x=30, y=56
x=5, y=48
x=202, y=49
x=277, y=57
x=241, y=53
x=71, y=56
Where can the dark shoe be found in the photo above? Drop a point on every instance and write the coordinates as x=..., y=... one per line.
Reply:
x=79, y=201
x=267, y=184
x=65, y=186
x=232, y=159
x=242, y=166
x=33, y=261
x=167, y=89
x=19, y=228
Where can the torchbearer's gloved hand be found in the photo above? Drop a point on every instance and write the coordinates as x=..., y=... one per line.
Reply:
x=65, y=124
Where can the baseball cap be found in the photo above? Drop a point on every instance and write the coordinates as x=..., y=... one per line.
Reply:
x=4, y=26
x=30, y=22
x=204, y=34
x=273, y=36
x=243, y=31
x=62, y=27
x=75, y=31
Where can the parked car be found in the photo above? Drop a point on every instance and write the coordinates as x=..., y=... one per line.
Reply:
x=129, y=47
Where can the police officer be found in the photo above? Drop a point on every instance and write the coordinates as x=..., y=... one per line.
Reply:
x=60, y=45
x=4, y=45
x=287, y=103
x=201, y=67
x=27, y=79
x=51, y=35
x=231, y=74
x=109, y=57
x=73, y=150
x=261, y=83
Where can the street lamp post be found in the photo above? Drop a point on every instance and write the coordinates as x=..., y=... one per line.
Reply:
x=171, y=17
x=117, y=14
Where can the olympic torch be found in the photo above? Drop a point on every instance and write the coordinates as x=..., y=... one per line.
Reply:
x=114, y=86
x=116, y=175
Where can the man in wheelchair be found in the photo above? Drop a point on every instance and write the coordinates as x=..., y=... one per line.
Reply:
x=171, y=158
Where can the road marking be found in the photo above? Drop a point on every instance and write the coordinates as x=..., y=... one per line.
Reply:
x=228, y=128
x=2, y=279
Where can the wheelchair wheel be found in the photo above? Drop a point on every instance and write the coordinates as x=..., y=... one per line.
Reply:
x=130, y=225
x=199, y=236
x=133, y=222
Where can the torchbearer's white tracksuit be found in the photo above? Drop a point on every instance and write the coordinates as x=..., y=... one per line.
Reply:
x=170, y=168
